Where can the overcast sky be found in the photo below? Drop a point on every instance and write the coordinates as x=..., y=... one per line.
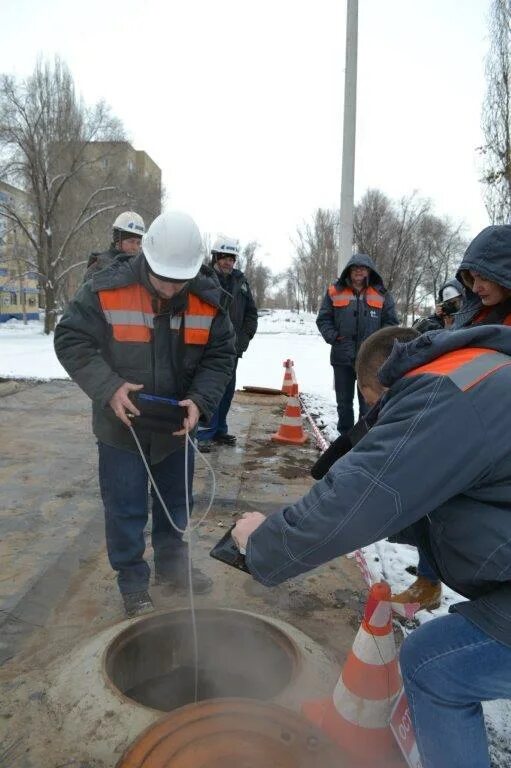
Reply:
x=240, y=101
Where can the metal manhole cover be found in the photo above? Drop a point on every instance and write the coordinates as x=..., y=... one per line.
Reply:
x=232, y=733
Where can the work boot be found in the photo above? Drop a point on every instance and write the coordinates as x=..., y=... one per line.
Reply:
x=179, y=581
x=225, y=439
x=137, y=603
x=423, y=591
x=205, y=446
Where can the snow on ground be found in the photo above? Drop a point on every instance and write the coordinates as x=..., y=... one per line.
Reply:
x=25, y=352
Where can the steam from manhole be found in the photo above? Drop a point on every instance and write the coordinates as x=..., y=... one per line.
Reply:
x=240, y=655
x=176, y=688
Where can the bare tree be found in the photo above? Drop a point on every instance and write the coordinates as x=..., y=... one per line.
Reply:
x=496, y=115
x=45, y=131
x=258, y=275
x=315, y=263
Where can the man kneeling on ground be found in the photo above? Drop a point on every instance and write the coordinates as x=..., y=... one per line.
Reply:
x=456, y=505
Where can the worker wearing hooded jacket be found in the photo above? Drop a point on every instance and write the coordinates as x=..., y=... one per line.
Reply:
x=486, y=274
x=353, y=308
x=456, y=504
x=153, y=323
x=127, y=231
x=450, y=297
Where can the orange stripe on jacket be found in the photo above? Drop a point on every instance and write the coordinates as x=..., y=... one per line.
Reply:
x=465, y=367
x=129, y=311
x=483, y=314
x=343, y=297
x=198, y=319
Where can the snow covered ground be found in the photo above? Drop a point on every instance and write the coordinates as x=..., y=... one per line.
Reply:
x=25, y=352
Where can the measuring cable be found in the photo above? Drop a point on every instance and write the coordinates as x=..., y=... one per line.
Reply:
x=190, y=528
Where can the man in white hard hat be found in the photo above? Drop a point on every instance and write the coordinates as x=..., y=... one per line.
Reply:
x=239, y=302
x=152, y=323
x=127, y=232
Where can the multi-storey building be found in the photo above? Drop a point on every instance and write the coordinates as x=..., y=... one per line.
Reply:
x=19, y=294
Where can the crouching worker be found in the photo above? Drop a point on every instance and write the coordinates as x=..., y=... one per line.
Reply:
x=455, y=504
x=152, y=323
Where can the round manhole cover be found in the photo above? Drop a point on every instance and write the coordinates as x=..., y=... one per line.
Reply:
x=232, y=733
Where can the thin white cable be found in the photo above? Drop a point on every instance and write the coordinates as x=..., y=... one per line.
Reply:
x=190, y=529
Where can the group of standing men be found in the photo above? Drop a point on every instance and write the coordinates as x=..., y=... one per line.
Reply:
x=151, y=317
x=157, y=321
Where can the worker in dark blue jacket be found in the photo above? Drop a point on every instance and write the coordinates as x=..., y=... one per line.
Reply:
x=354, y=307
x=455, y=504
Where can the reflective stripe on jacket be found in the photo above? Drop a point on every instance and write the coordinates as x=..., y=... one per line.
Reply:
x=130, y=313
x=464, y=367
x=341, y=297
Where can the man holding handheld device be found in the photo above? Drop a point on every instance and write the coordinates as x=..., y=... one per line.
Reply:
x=148, y=342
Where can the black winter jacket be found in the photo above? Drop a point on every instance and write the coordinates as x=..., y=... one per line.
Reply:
x=104, y=259
x=166, y=366
x=240, y=303
x=345, y=328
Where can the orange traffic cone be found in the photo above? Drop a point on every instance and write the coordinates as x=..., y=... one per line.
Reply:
x=291, y=426
x=357, y=716
x=290, y=385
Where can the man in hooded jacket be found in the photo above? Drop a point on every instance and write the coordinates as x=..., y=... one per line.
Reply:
x=353, y=308
x=456, y=504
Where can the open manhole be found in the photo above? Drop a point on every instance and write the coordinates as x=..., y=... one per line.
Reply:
x=232, y=733
x=240, y=655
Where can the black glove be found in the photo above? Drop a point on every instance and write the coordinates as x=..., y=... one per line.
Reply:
x=345, y=443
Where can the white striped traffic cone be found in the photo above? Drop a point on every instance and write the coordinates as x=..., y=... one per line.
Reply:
x=357, y=716
x=291, y=426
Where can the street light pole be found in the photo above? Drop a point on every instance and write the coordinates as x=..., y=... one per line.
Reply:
x=348, y=136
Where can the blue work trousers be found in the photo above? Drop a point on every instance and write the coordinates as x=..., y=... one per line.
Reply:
x=218, y=422
x=424, y=569
x=449, y=667
x=344, y=378
x=123, y=482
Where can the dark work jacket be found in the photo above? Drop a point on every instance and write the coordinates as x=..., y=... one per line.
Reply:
x=345, y=328
x=395, y=477
x=165, y=365
x=241, y=306
x=104, y=259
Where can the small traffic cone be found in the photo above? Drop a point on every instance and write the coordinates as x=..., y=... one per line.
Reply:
x=291, y=426
x=357, y=716
x=290, y=385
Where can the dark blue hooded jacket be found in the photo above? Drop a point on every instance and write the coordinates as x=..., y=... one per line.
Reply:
x=458, y=500
x=346, y=327
x=489, y=255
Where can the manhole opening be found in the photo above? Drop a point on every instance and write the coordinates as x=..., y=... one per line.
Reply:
x=240, y=655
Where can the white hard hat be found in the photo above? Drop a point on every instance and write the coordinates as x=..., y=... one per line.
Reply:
x=129, y=221
x=173, y=246
x=226, y=246
x=450, y=292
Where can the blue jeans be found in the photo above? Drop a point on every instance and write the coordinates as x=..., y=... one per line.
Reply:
x=449, y=667
x=123, y=483
x=218, y=422
x=344, y=378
